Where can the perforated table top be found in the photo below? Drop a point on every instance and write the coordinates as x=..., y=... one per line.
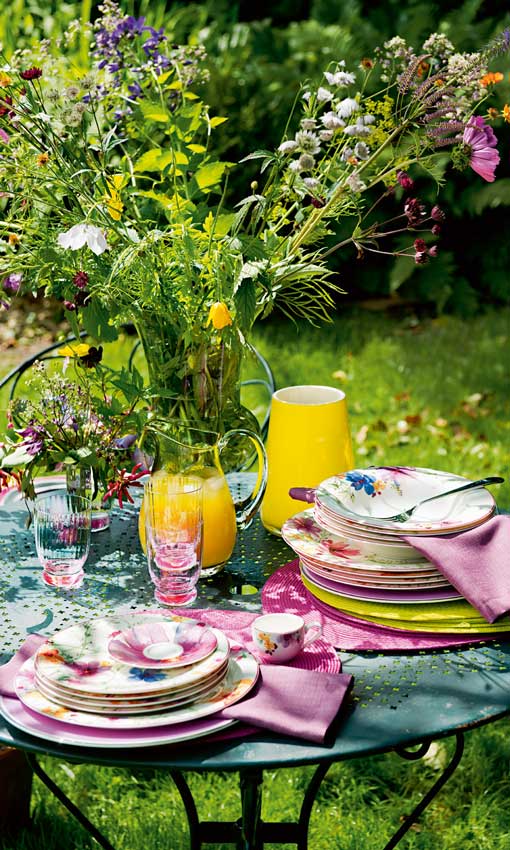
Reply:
x=396, y=699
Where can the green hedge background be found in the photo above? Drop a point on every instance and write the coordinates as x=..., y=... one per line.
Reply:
x=260, y=53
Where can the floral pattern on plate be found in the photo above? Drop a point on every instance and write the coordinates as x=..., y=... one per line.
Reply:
x=351, y=495
x=241, y=676
x=163, y=644
x=77, y=659
x=308, y=539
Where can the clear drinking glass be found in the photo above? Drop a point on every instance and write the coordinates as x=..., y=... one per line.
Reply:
x=62, y=524
x=174, y=534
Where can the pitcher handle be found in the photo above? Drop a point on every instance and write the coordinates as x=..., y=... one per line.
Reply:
x=248, y=508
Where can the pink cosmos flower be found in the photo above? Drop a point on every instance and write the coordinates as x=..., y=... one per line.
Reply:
x=483, y=157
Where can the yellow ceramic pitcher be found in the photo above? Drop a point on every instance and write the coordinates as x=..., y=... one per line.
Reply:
x=308, y=440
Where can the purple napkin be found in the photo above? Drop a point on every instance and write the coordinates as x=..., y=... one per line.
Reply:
x=476, y=562
x=302, y=703
x=8, y=671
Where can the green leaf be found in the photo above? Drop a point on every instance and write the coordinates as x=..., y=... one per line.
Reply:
x=402, y=270
x=197, y=148
x=95, y=321
x=157, y=159
x=245, y=300
x=217, y=120
x=219, y=227
x=210, y=175
x=155, y=112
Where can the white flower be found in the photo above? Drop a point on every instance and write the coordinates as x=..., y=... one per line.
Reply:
x=355, y=184
x=331, y=121
x=308, y=123
x=295, y=166
x=326, y=135
x=346, y=154
x=346, y=107
x=307, y=95
x=311, y=182
x=324, y=95
x=340, y=78
x=83, y=234
x=368, y=119
x=361, y=151
x=306, y=162
x=288, y=147
x=308, y=142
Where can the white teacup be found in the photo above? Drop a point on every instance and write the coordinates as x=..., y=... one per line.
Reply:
x=280, y=637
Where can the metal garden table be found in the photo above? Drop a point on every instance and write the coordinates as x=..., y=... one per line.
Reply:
x=398, y=700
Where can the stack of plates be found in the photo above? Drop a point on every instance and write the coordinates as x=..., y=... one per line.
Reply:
x=135, y=672
x=348, y=548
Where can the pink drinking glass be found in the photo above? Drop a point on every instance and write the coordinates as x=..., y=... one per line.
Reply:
x=174, y=531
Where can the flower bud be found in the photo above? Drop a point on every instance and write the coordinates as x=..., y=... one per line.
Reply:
x=436, y=229
x=219, y=315
x=432, y=252
x=420, y=258
x=420, y=245
x=437, y=214
x=405, y=181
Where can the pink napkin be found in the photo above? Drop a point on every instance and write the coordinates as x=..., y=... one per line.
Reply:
x=302, y=703
x=476, y=562
x=9, y=671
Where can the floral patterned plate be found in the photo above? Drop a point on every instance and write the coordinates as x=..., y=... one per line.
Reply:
x=365, y=497
x=135, y=706
x=78, y=660
x=241, y=676
x=441, y=594
x=167, y=643
x=307, y=538
x=361, y=580
x=42, y=726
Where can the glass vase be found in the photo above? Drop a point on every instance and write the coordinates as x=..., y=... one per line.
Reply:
x=80, y=481
x=198, y=381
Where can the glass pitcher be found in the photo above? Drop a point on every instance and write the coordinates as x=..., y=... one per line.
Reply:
x=181, y=447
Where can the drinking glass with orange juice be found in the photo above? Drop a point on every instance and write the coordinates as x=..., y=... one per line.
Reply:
x=182, y=448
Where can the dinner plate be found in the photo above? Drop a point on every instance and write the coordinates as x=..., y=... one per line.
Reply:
x=241, y=676
x=42, y=726
x=135, y=706
x=410, y=597
x=168, y=643
x=78, y=659
x=356, y=580
x=366, y=496
x=308, y=538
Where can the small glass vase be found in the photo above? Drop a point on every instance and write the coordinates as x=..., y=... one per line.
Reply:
x=80, y=481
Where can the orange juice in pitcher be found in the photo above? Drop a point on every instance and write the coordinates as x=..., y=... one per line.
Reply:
x=182, y=448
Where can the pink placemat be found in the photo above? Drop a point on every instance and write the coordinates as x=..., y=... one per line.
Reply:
x=284, y=591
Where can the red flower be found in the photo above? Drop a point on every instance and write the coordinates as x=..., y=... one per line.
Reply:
x=81, y=279
x=31, y=74
x=120, y=485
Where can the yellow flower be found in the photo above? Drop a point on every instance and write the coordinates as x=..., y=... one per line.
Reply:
x=491, y=78
x=114, y=203
x=78, y=350
x=506, y=113
x=219, y=315
x=13, y=239
x=42, y=159
x=5, y=80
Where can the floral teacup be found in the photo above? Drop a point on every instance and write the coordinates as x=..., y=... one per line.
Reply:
x=280, y=637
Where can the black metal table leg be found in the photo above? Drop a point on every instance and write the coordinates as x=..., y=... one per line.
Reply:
x=70, y=806
x=191, y=810
x=250, y=782
x=433, y=790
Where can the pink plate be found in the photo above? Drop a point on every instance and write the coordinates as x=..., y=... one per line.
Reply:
x=163, y=644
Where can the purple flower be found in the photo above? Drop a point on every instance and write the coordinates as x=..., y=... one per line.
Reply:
x=126, y=442
x=437, y=214
x=414, y=211
x=405, y=181
x=482, y=143
x=135, y=90
x=33, y=439
x=12, y=282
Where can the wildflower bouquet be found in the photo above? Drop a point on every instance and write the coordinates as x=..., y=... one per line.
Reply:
x=114, y=201
x=83, y=424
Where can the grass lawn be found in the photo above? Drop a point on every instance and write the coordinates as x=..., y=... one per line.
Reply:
x=431, y=393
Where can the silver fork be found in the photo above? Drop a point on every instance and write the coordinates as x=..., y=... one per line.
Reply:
x=405, y=515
